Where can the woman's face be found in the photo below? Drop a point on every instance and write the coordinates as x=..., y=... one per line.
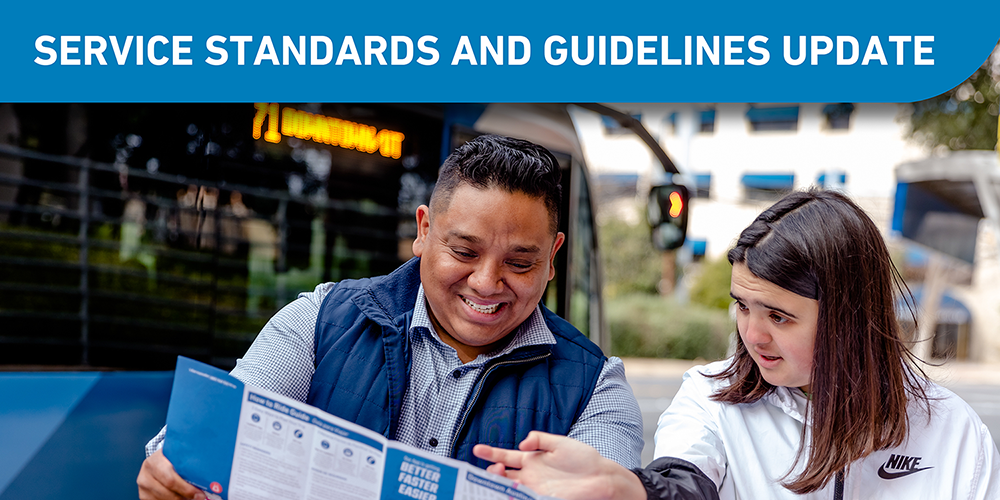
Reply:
x=777, y=326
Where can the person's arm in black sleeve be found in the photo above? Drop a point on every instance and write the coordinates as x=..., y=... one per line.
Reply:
x=561, y=467
x=669, y=478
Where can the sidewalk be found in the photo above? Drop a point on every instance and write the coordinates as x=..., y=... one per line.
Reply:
x=658, y=368
x=953, y=372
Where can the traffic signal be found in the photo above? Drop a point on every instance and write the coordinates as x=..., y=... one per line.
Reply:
x=667, y=213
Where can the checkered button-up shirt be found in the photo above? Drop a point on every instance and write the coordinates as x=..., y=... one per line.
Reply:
x=281, y=359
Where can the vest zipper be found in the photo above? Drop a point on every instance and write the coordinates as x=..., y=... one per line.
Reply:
x=471, y=402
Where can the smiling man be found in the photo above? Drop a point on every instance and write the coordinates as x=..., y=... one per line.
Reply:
x=453, y=348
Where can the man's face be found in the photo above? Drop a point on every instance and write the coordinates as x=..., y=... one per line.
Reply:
x=484, y=263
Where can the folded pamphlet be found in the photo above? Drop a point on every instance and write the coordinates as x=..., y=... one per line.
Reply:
x=238, y=442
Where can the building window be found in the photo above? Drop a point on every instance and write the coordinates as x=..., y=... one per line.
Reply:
x=702, y=185
x=698, y=247
x=672, y=120
x=773, y=118
x=838, y=116
x=611, y=188
x=767, y=187
x=611, y=126
x=831, y=179
x=706, y=121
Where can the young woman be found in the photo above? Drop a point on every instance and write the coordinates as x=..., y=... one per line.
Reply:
x=820, y=400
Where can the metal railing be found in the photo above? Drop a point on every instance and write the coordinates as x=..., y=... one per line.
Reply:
x=82, y=285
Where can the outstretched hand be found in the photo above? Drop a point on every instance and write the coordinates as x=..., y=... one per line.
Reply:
x=562, y=467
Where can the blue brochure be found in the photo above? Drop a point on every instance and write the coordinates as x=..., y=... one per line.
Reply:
x=240, y=442
x=202, y=424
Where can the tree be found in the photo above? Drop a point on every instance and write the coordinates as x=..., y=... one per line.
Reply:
x=964, y=117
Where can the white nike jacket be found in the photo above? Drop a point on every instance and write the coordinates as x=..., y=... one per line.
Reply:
x=747, y=449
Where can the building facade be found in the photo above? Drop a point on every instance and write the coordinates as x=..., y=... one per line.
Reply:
x=739, y=158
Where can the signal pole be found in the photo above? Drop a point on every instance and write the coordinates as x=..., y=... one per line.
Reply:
x=668, y=273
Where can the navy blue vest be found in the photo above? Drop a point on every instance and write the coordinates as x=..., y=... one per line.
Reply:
x=363, y=360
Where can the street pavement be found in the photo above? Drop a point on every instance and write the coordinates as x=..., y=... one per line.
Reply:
x=655, y=381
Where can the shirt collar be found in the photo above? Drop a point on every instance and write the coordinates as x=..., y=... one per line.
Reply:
x=790, y=400
x=533, y=331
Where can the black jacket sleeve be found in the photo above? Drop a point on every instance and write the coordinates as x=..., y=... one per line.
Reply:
x=671, y=478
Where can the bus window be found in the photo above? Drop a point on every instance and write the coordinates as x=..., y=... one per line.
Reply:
x=131, y=233
x=583, y=290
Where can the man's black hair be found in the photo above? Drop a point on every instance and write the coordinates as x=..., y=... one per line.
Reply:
x=510, y=164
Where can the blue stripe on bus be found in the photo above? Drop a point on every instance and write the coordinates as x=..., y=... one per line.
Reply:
x=32, y=407
x=96, y=448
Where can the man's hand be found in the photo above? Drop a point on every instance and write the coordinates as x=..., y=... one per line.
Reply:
x=158, y=481
x=562, y=467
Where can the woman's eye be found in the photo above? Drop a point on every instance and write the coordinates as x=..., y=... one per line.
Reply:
x=741, y=306
x=778, y=319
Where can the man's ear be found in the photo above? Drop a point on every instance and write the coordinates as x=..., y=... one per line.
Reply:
x=560, y=239
x=423, y=228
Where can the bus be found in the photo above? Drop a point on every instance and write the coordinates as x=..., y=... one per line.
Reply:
x=134, y=233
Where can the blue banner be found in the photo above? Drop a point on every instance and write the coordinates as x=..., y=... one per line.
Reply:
x=412, y=477
x=393, y=51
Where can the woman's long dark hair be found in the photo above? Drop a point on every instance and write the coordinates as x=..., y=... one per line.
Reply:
x=820, y=245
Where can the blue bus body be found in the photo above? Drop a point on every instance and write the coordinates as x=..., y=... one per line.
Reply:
x=130, y=234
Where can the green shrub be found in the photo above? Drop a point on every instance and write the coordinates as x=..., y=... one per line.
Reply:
x=631, y=263
x=711, y=286
x=651, y=326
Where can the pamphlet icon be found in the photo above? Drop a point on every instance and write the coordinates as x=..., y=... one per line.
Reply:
x=370, y=460
x=255, y=417
x=276, y=425
x=348, y=452
x=298, y=433
x=325, y=444
x=215, y=487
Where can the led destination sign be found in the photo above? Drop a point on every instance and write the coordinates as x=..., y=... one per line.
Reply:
x=324, y=130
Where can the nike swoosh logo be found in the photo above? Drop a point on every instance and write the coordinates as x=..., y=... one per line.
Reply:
x=884, y=474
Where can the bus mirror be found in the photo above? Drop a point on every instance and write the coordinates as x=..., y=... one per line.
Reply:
x=667, y=213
